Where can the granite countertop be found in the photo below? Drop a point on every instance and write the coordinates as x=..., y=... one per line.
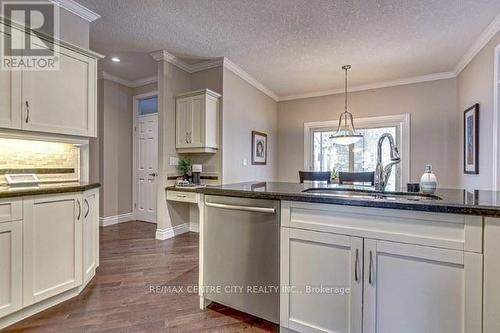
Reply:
x=455, y=201
x=46, y=188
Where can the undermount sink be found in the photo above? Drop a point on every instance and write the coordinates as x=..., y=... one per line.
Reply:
x=372, y=195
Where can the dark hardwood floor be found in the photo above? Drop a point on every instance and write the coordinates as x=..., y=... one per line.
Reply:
x=119, y=298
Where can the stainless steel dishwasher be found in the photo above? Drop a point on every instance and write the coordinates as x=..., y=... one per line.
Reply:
x=241, y=254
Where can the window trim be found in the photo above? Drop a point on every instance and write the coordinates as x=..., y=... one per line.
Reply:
x=401, y=122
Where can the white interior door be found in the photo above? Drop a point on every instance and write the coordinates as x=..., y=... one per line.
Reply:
x=146, y=167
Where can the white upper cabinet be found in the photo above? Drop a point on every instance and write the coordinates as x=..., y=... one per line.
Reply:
x=10, y=96
x=197, y=119
x=62, y=101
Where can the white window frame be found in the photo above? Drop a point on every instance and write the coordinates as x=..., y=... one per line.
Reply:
x=401, y=122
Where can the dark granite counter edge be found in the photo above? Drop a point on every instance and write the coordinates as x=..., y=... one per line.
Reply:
x=433, y=207
x=48, y=190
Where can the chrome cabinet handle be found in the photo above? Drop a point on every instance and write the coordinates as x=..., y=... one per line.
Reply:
x=244, y=208
x=88, y=209
x=187, y=141
x=356, y=263
x=181, y=196
x=27, y=112
x=79, y=209
x=370, y=268
x=153, y=174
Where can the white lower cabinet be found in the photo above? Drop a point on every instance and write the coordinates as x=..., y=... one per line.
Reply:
x=411, y=288
x=394, y=287
x=90, y=234
x=11, y=266
x=325, y=271
x=52, y=245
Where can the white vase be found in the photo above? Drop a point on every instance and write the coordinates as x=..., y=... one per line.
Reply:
x=428, y=181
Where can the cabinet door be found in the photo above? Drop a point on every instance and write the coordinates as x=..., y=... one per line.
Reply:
x=52, y=245
x=196, y=129
x=10, y=95
x=313, y=260
x=11, y=267
x=61, y=101
x=90, y=234
x=414, y=289
x=182, y=122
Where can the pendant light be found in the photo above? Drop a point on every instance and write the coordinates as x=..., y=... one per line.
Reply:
x=346, y=133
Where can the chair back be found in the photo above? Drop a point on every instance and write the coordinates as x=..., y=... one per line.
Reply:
x=315, y=176
x=357, y=177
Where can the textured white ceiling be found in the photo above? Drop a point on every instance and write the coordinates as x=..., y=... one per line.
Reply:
x=295, y=46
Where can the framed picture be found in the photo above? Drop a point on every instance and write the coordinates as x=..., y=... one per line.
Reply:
x=471, y=140
x=259, y=148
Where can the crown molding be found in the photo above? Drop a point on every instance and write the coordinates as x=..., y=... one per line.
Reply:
x=77, y=9
x=478, y=45
x=248, y=78
x=128, y=83
x=163, y=55
x=377, y=85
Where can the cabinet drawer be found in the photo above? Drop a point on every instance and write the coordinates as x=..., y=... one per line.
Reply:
x=449, y=231
x=182, y=196
x=11, y=210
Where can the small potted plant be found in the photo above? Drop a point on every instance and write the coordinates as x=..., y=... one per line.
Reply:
x=184, y=167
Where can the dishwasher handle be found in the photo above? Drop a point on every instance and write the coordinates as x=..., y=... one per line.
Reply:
x=243, y=208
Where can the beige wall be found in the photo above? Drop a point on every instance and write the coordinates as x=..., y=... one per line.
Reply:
x=145, y=89
x=115, y=148
x=72, y=28
x=212, y=79
x=434, y=125
x=246, y=108
x=475, y=85
x=171, y=81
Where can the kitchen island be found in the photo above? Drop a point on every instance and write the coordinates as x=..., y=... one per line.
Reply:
x=405, y=263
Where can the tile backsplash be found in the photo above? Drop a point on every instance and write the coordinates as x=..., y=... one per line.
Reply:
x=51, y=161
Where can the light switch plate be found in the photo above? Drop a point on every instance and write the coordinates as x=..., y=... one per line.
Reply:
x=174, y=160
x=245, y=162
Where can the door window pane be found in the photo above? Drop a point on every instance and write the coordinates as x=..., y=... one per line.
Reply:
x=148, y=105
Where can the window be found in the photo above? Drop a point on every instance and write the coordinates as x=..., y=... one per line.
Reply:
x=148, y=105
x=323, y=155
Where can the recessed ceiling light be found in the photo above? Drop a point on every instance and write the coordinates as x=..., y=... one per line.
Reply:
x=115, y=59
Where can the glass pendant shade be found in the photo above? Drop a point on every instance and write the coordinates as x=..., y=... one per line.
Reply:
x=346, y=133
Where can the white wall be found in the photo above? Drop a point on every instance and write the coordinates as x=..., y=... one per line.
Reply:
x=433, y=132
x=475, y=85
x=246, y=108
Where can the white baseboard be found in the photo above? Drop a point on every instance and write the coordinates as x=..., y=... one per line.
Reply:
x=170, y=232
x=194, y=227
x=37, y=307
x=110, y=220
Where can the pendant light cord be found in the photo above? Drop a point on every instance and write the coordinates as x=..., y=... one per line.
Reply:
x=345, y=89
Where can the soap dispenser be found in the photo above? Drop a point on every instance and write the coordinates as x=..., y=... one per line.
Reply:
x=428, y=181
